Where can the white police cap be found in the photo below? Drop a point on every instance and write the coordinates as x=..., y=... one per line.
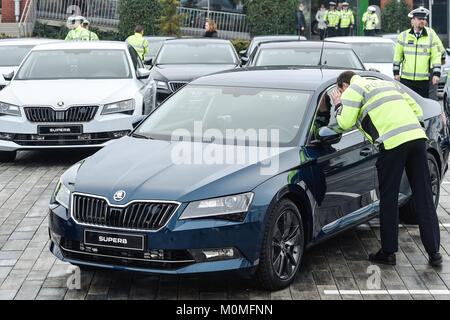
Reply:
x=372, y=9
x=419, y=13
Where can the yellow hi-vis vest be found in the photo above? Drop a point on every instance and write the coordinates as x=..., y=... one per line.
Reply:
x=418, y=56
x=383, y=112
x=139, y=44
x=347, y=18
x=370, y=21
x=332, y=18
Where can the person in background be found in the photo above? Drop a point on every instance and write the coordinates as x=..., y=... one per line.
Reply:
x=320, y=22
x=92, y=35
x=77, y=33
x=300, y=22
x=138, y=42
x=370, y=21
x=347, y=20
x=331, y=18
x=211, y=29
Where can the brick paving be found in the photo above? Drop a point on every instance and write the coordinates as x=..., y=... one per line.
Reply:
x=336, y=269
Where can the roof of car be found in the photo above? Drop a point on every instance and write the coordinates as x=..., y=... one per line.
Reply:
x=26, y=41
x=295, y=78
x=304, y=44
x=278, y=36
x=360, y=39
x=69, y=45
x=197, y=40
x=158, y=38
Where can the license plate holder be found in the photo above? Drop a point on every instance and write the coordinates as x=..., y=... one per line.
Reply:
x=68, y=130
x=114, y=240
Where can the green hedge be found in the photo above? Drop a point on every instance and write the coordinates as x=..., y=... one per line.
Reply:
x=394, y=17
x=271, y=16
x=59, y=32
x=240, y=45
x=139, y=12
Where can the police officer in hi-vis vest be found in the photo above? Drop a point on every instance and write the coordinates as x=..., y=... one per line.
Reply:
x=331, y=18
x=392, y=120
x=418, y=52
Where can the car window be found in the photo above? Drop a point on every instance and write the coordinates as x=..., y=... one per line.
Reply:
x=13, y=55
x=196, y=53
x=137, y=63
x=375, y=52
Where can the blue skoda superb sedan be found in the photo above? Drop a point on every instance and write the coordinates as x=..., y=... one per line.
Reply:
x=181, y=194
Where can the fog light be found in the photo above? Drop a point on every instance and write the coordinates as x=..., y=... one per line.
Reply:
x=84, y=137
x=119, y=134
x=6, y=136
x=55, y=237
x=203, y=255
x=37, y=138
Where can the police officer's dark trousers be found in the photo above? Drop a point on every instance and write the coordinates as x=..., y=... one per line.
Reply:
x=411, y=156
x=420, y=87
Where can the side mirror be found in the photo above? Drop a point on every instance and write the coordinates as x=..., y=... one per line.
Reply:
x=142, y=73
x=8, y=76
x=243, y=53
x=148, y=60
x=138, y=121
x=244, y=60
x=329, y=136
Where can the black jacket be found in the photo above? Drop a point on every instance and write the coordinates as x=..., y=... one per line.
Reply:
x=300, y=19
x=211, y=34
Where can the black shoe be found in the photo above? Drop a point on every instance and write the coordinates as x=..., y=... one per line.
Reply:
x=383, y=258
x=435, y=259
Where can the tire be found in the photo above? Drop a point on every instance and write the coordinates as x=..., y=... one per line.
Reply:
x=407, y=213
x=282, y=248
x=8, y=156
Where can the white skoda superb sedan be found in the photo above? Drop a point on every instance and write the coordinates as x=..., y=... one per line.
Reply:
x=73, y=95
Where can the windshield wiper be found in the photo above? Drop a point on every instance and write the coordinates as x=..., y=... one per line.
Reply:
x=141, y=136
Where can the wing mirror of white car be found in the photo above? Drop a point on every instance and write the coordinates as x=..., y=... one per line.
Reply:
x=8, y=76
x=142, y=73
x=148, y=60
x=244, y=60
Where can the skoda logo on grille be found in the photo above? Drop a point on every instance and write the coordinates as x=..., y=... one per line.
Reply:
x=119, y=195
x=60, y=103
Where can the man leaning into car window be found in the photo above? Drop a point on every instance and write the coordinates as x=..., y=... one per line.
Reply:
x=392, y=120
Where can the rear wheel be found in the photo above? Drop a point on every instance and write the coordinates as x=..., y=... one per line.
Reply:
x=282, y=248
x=7, y=156
x=407, y=213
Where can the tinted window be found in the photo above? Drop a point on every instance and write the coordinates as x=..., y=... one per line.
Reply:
x=375, y=52
x=134, y=57
x=75, y=64
x=342, y=58
x=229, y=108
x=196, y=53
x=13, y=55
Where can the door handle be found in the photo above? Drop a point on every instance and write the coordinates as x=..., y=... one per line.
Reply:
x=366, y=152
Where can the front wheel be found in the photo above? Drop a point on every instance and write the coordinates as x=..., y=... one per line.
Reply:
x=282, y=248
x=407, y=213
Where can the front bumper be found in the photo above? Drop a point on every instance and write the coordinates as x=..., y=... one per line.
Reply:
x=167, y=251
x=23, y=134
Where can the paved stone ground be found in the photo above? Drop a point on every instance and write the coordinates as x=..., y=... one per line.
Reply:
x=29, y=271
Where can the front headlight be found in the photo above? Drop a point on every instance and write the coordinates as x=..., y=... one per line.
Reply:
x=9, y=109
x=62, y=195
x=224, y=207
x=162, y=85
x=121, y=106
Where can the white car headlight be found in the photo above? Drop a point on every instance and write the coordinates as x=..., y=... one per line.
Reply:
x=62, y=195
x=121, y=106
x=9, y=109
x=223, y=206
x=162, y=85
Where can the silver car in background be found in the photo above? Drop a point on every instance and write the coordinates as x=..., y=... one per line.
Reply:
x=13, y=51
x=74, y=94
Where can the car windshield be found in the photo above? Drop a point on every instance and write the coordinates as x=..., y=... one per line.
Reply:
x=153, y=47
x=229, y=109
x=75, y=64
x=341, y=58
x=13, y=55
x=196, y=53
x=375, y=52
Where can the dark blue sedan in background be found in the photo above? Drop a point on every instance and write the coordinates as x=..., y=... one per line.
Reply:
x=178, y=196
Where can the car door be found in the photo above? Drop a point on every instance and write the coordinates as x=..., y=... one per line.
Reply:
x=144, y=85
x=347, y=170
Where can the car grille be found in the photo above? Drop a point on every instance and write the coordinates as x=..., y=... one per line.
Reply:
x=149, y=259
x=73, y=114
x=135, y=216
x=175, y=86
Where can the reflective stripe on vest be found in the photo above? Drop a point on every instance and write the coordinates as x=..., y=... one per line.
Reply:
x=397, y=131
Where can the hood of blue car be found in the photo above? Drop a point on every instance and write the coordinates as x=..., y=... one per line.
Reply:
x=145, y=169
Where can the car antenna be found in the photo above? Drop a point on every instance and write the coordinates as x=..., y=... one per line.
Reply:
x=321, y=52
